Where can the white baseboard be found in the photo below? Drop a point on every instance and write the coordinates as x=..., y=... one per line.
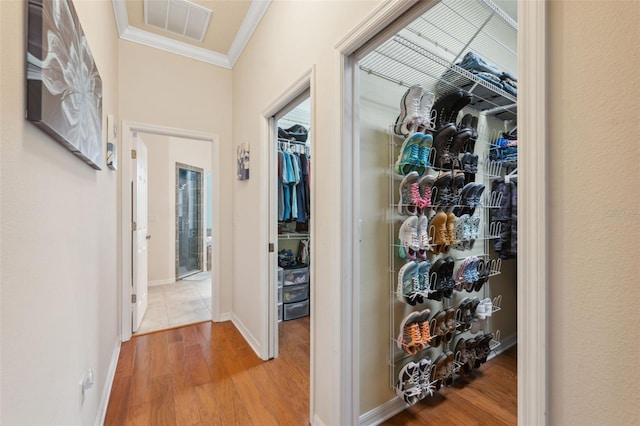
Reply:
x=394, y=406
x=161, y=282
x=108, y=383
x=251, y=340
x=316, y=421
x=382, y=412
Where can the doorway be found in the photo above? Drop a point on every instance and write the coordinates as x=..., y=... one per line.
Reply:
x=189, y=223
x=208, y=243
x=531, y=282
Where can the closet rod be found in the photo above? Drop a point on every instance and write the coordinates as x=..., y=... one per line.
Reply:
x=292, y=141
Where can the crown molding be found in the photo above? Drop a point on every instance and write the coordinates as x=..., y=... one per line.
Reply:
x=255, y=13
x=256, y=10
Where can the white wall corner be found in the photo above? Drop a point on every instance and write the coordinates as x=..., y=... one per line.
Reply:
x=106, y=389
x=250, y=338
x=225, y=316
x=256, y=11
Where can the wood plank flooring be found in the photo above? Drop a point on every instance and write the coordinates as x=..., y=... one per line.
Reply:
x=488, y=397
x=206, y=374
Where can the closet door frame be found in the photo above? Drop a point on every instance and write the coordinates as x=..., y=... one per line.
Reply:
x=532, y=192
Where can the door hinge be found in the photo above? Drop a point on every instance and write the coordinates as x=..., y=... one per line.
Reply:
x=134, y=226
x=271, y=248
x=134, y=154
x=134, y=298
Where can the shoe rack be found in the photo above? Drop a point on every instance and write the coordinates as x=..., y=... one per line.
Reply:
x=429, y=361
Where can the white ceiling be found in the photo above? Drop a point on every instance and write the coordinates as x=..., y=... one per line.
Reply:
x=230, y=28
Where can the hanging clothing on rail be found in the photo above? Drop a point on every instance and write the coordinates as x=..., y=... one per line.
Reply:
x=293, y=186
x=506, y=245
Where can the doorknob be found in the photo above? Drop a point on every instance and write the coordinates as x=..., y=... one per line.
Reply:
x=148, y=237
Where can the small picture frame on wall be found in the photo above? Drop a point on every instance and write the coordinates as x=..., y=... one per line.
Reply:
x=243, y=161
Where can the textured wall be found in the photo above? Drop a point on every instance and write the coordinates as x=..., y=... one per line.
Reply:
x=593, y=216
x=60, y=300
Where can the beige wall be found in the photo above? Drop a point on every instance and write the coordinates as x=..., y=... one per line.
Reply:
x=168, y=90
x=60, y=293
x=293, y=37
x=593, y=212
x=164, y=153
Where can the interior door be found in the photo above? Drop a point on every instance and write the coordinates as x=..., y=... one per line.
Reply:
x=140, y=237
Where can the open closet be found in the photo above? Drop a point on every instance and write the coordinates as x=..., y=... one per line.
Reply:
x=437, y=195
x=293, y=157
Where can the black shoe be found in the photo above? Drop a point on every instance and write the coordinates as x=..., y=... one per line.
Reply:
x=441, y=144
x=444, y=105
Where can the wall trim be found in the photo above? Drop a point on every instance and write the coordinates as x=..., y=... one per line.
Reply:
x=108, y=384
x=533, y=279
x=383, y=412
x=161, y=282
x=345, y=402
x=256, y=11
x=124, y=173
x=250, y=338
x=532, y=233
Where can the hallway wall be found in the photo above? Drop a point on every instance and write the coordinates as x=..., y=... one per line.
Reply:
x=189, y=95
x=594, y=212
x=59, y=269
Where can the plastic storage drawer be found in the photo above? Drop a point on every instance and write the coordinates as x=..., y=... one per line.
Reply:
x=279, y=312
x=296, y=310
x=296, y=293
x=280, y=276
x=296, y=276
x=279, y=294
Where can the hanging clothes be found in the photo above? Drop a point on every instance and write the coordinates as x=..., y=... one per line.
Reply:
x=506, y=245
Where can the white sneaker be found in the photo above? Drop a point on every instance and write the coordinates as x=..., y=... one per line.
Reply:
x=409, y=240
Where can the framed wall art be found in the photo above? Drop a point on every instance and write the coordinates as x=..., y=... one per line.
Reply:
x=243, y=161
x=64, y=88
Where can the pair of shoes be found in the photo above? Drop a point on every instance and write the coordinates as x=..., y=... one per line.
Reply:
x=470, y=122
x=443, y=369
x=470, y=198
x=415, y=111
x=449, y=105
x=441, y=279
x=465, y=312
x=414, y=381
x=413, y=282
x=442, y=229
x=414, y=154
x=414, y=332
x=468, y=273
x=446, y=189
x=442, y=326
x=483, y=309
x=415, y=193
x=483, y=348
x=414, y=238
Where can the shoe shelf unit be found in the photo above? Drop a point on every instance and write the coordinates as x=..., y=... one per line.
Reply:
x=417, y=373
x=427, y=50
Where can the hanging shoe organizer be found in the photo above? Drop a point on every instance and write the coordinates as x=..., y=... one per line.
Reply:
x=440, y=321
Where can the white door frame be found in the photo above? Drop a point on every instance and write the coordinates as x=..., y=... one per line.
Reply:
x=532, y=227
x=268, y=187
x=128, y=129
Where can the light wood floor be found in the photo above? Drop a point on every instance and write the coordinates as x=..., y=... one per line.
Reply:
x=206, y=374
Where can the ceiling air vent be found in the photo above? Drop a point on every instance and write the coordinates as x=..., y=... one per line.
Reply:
x=178, y=16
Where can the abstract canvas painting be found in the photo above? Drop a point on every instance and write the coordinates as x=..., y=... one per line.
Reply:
x=64, y=88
